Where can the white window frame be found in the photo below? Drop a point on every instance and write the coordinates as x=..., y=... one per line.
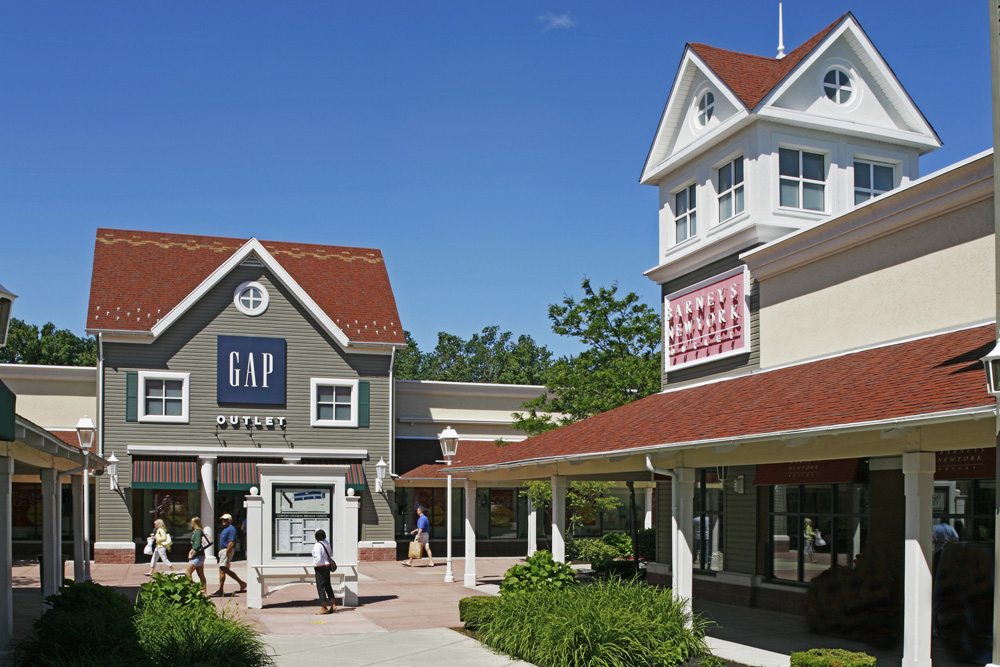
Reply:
x=182, y=418
x=801, y=180
x=255, y=311
x=839, y=88
x=314, y=385
x=705, y=108
x=731, y=191
x=691, y=229
x=872, y=192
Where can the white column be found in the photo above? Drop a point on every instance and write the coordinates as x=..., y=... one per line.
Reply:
x=559, y=518
x=470, y=533
x=79, y=549
x=208, y=502
x=532, y=528
x=682, y=518
x=255, y=552
x=351, y=522
x=50, y=578
x=6, y=557
x=647, y=520
x=449, y=574
x=918, y=487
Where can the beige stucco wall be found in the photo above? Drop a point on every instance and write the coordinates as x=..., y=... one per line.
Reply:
x=476, y=411
x=929, y=277
x=53, y=397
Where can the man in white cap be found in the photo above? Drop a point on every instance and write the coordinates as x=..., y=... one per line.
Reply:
x=227, y=545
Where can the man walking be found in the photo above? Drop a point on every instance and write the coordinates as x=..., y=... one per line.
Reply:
x=227, y=545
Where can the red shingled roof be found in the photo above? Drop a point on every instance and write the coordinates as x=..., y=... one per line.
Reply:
x=925, y=376
x=751, y=77
x=71, y=439
x=140, y=276
x=470, y=453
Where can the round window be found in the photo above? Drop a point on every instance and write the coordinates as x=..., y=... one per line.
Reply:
x=837, y=85
x=251, y=298
x=706, y=108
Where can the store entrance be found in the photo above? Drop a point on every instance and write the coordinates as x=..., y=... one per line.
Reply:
x=231, y=502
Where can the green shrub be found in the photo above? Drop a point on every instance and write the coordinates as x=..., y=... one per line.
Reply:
x=647, y=544
x=599, y=554
x=831, y=657
x=172, y=634
x=610, y=624
x=539, y=572
x=473, y=610
x=620, y=542
x=175, y=589
x=85, y=624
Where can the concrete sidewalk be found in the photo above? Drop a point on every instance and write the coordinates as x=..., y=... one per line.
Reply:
x=439, y=647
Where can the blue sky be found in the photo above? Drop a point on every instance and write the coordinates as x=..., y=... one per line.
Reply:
x=491, y=150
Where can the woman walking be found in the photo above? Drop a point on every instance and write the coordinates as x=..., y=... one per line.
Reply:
x=196, y=556
x=161, y=542
x=323, y=566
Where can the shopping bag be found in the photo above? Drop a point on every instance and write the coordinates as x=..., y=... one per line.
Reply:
x=415, y=549
x=149, y=546
x=820, y=542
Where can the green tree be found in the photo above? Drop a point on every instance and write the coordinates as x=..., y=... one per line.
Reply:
x=489, y=356
x=585, y=501
x=46, y=345
x=620, y=362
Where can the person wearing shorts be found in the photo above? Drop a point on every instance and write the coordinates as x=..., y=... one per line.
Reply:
x=423, y=536
x=227, y=547
x=196, y=555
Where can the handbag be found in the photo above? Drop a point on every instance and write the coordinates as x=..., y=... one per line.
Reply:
x=415, y=549
x=333, y=563
x=205, y=542
x=149, y=546
x=820, y=542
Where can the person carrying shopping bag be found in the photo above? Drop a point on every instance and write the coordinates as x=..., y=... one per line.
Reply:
x=422, y=539
x=161, y=542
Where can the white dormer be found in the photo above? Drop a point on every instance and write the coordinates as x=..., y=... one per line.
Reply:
x=750, y=148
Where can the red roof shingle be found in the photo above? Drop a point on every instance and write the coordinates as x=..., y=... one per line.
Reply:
x=470, y=453
x=926, y=376
x=350, y=285
x=752, y=77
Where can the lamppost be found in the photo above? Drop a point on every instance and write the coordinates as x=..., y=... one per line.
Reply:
x=992, y=363
x=85, y=430
x=449, y=447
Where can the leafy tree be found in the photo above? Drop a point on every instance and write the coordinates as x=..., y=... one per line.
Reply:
x=620, y=362
x=585, y=501
x=29, y=344
x=489, y=356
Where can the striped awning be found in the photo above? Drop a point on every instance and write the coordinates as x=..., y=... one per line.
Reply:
x=355, y=471
x=239, y=474
x=164, y=472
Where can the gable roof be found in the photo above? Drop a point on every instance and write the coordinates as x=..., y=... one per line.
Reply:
x=752, y=77
x=141, y=279
x=470, y=453
x=935, y=375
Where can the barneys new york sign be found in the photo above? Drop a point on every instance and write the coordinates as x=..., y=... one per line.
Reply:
x=708, y=321
x=250, y=370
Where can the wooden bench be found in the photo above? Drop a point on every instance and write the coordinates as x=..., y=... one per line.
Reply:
x=275, y=576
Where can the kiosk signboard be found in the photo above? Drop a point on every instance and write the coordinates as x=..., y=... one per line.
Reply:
x=250, y=370
x=300, y=511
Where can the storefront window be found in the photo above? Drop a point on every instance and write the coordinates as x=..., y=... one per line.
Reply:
x=708, y=523
x=434, y=501
x=966, y=504
x=175, y=507
x=503, y=513
x=813, y=526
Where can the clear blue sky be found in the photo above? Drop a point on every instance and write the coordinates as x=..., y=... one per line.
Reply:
x=491, y=150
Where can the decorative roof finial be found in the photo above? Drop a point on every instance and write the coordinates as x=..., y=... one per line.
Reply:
x=781, y=35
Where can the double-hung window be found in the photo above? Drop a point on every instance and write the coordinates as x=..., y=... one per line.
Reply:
x=334, y=402
x=871, y=179
x=802, y=180
x=730, y=189
x=163, y=397
x=685, y=214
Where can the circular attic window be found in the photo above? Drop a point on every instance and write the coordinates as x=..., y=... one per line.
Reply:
x=837, y=85
x=706, y=108
x=251, y=298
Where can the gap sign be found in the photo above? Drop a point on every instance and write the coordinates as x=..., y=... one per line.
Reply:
x=251, y=370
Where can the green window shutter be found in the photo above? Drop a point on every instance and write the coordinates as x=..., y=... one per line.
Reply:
x=131, y=396
x=364, y=403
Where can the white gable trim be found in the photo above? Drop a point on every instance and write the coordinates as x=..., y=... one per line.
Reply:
x=877, y=67
x=924, y=142
x=673, y=113
x=253, y=246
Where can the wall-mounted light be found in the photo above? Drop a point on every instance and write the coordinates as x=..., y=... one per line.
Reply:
x=6, y=303
x=381, y=468
x=992, y=363
x=113, y=471
x=739, y=486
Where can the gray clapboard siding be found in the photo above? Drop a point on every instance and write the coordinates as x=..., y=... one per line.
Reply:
x=190, y=346
x=741, y=523
x=664, y=523
x=730, y=365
